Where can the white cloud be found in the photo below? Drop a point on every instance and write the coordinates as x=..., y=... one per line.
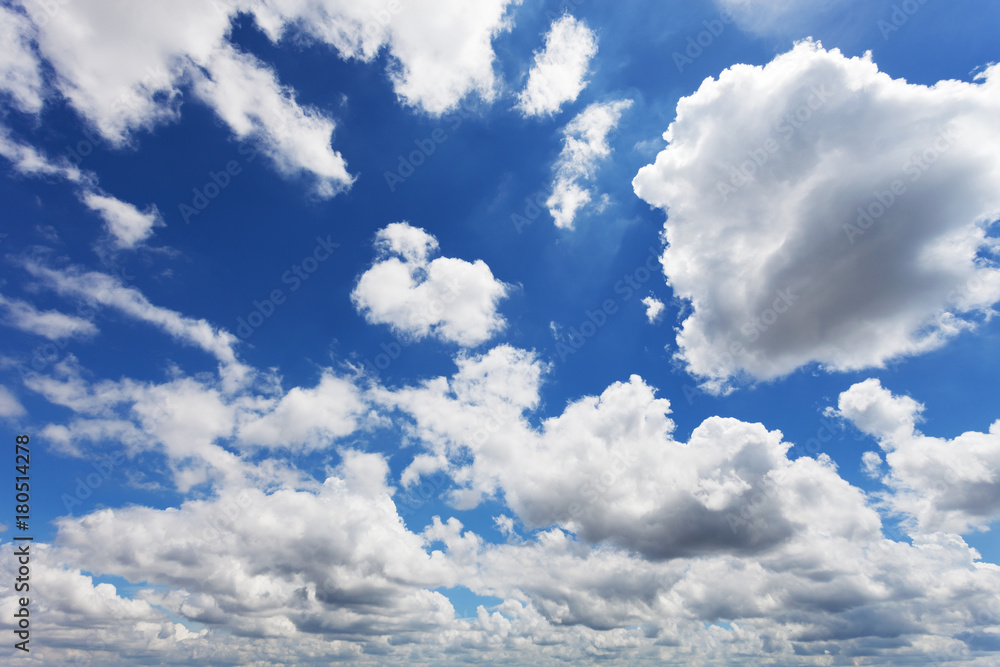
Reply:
x=940, y=484
x=104, y=290
x=344, y=563
x=307, y=418
x=654, y=308
x=778, y=16
x=446, y=298
x=871, y=465
x=559, y=70
x=439, y=50
x=798, y=564
x=127, y=225
x=443, y=50
x=30, y=162
x=783, y=229
x=125, y=69
x=584, y=146
x=9, y=405
x=248, y=96
x=20, y=74
x=48, y=323
x=609, y=469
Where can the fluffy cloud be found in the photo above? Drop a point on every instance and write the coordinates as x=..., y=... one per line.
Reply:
x=559, y=70
x=446, y=298
x=247, y=95
x=585, y=144
x=609, y=469
x=125, y=68
x=336, y=560
x=49, y=323
x=938, y=484
x=654, y=308
x=439, y=50
x=307, y=418
x=718, y=546
x=127, y=225
x=721, y=527
x=821, y=211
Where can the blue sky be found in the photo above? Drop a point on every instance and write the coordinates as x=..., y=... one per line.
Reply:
x=515, y=332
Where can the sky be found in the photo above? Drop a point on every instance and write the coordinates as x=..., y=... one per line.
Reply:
x=513, y=332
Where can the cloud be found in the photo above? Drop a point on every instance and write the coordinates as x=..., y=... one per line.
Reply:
x=778, y=16
x=610, y=470
x=654, y=308
x=9, y=405
x=49, y=323
x=104, y=290
x=584, y=146
x=127, y=70
x=20, y=73
x=446, y=298
x=652, y=531
x=938, y=484
x=127, y=225
x=821, y=211
x=439, y=50
x=30, y=162
x=623, y=553
x=559, y=70
x=247, y=95
x=344, y=563
x=442, y=51
x=307, y=418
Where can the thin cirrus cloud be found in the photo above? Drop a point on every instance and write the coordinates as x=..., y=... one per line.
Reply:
x=843, y=223
x=445, y=298
x=585, y=145
x=558, y=73
x=107, y=291
x=50, y=324
x=127, y=226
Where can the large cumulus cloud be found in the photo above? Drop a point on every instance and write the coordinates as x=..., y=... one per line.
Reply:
x=821, y=211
